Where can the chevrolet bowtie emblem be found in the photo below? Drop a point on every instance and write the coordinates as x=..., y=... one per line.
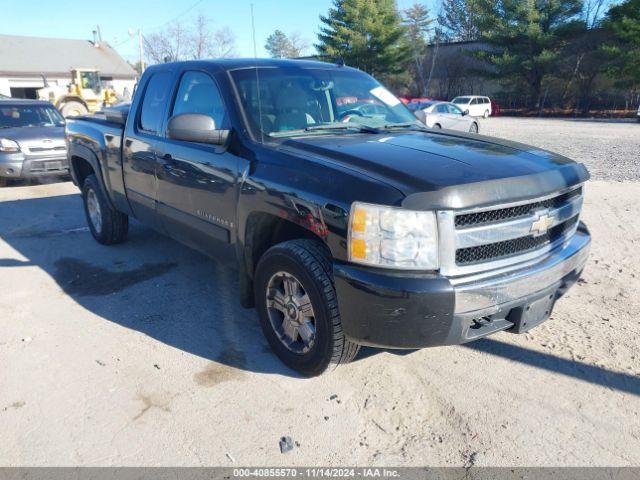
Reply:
x=542, y=224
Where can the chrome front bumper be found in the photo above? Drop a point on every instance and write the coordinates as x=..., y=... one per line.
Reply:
x=483, y=295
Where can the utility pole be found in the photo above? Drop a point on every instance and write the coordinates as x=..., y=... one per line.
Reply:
x=140, y=47
x=141, y=51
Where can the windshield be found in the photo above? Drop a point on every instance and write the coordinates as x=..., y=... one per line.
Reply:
x=301, y=101
x=461, y=100
x=29, y=116
x=90, y=80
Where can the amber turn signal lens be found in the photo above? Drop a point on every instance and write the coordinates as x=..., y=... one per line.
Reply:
x=359, y=221
x=358, y=248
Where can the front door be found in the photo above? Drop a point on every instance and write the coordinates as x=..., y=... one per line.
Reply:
x=139, y=149
x=197, y=182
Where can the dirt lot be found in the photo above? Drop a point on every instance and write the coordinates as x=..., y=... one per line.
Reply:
x=140, y=355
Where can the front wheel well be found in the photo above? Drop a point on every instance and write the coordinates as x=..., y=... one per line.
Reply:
x=262, y=232
x=81, y=168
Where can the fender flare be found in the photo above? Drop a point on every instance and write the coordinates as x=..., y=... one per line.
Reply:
x=83, y=152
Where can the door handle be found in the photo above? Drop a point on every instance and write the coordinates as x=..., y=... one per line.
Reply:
x=166, y=160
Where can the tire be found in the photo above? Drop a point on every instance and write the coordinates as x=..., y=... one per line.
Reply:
x=486, y=114
x=306, y=261
x=73, y=109
x=108, y=226
x=437, y=125
x=473, y=128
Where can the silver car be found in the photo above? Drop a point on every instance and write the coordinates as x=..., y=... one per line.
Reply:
x=447, y=115
x=32, y=142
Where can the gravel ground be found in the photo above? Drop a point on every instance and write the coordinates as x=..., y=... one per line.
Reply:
x=609, y=149
x=139, y=354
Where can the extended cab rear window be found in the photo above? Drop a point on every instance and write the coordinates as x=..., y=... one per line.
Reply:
x=154, y=102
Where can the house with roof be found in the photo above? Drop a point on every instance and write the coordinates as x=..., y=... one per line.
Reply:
x=31, y=63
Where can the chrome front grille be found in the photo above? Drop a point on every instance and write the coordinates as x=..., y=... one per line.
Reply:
x=503, y=235
x=507, y=248
x=509, y=213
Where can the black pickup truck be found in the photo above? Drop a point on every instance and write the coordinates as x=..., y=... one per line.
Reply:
x=350, y=223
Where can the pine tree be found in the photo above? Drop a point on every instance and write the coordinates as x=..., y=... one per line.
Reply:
x=366, y=34
x=461, y=20
x=418, y=25
x=527, y=40
x=623, y=21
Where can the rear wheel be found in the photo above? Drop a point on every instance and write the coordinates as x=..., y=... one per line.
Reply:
x=473, y=128
x=298, y=308
x=73, y=109
x=108, y=226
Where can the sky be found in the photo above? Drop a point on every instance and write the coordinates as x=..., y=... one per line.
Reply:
x=77, y=19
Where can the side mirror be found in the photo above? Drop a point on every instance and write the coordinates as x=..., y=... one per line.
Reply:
x=420, y=115
x=116, y=115
x=465, y=112
x=196, y=127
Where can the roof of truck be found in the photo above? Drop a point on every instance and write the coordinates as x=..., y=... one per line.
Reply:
x=235, y=63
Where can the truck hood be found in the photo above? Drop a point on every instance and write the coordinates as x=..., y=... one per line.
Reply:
x=29, y=135
x=448, y=170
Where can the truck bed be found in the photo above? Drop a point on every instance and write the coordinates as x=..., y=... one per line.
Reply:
x=99, y=140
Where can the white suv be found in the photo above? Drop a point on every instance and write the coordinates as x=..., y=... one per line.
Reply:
x=475, y=106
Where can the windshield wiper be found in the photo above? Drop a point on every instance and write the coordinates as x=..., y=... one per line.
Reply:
x=343, y=126
x=389, y=126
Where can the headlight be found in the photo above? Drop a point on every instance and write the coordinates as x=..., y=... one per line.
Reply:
x=7, y=145
x=392, y=237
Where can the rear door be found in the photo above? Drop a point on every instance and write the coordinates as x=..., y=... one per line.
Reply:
x=457, y=119
x=197, y=182
x=139, y=147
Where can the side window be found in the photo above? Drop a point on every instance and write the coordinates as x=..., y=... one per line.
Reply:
x=474, y=101
x=198, y=93
x=154, y=101
x=453, y=109
x=441, y=108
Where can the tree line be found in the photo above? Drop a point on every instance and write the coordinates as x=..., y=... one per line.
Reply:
x=563, y=54
x=545, y=53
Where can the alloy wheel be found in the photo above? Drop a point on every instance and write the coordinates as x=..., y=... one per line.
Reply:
x=291, y=313
x=95, y=213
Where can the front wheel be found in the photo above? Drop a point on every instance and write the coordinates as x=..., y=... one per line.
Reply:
x=473, y=128
x=108, y=226
x=437, y=126
x=296, y=301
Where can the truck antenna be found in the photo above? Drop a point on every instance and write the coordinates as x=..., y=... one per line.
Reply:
x=255, y=58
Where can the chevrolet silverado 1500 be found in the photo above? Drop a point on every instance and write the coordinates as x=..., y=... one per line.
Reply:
x=350, y=223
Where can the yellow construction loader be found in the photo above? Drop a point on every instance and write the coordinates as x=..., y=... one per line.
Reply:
x=85, y=94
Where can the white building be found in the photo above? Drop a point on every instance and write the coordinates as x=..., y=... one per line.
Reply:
x=26, y=62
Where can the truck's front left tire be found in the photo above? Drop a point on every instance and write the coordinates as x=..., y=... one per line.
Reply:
x=298, y=308
x=108, y=226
